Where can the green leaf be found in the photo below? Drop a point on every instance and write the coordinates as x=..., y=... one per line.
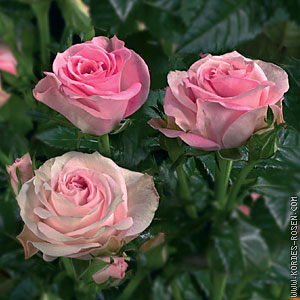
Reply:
x=189, y=10
x=160, y=291
x=253, y=247
x=106, y=20
x=228, y=247
x=186, y=287
x=12, y=144
x=280, y=210
x=242, y=248
x=270, y=116
x=277, y=43
x=278, y=178
x=26, y=289
x=77, y=18
x=164, y=5
x=291, y=108
x=293, y=8
x=67, y=138
x=232, y=154
x=95, y=266
x=162, y=24
x=14, y=112
x=123, y=7
x=222, y=25
x=263, y=145
x=122, y=126
x=6, y=28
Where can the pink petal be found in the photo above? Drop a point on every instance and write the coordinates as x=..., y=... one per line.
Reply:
x=24, y=165
x=191, y=139
x=247, y=124
x=279, y=77
x=135, y=70
x=88, y=120
x=177, y=86
x=26, y=237
x=8, y=62
x=184, y=117
x=142, y=200
x=213, y=119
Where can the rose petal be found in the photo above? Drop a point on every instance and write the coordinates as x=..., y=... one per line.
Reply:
x=184, y=117
x=279, y=77
x=244, y=126
x=26, y=237
x=213, y=119
x=8, y=62
x=175, y=80
x=24, y=165
x=142, y=200
x=63, y=250
x=191, y=139
x=89, y=121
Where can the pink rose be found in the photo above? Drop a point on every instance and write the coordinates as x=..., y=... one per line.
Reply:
x=96, y=84
x=24, y=165
x=8, y=62
x=78, y=203
x=221, y=101
x=116, y=270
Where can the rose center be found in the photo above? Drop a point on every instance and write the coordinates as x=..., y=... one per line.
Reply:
x=88, y=67
x=76, y=183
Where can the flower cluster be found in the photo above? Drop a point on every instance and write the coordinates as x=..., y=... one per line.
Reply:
x=85, y=206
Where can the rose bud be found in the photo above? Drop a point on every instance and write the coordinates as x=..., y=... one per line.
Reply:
x=116, y=270
x=24, y=165
x=221, y=101
x=96, y=84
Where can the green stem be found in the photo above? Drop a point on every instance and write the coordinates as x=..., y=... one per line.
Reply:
x=132, y=285
x=175, y=150
x=175, y=290
x=235, y=188
x=222, y=173
x=41, y=10
x=4, y=159
x=239, y=287
x=104, y=145
x=69, y=267
x=218, y=284
x=185, y=190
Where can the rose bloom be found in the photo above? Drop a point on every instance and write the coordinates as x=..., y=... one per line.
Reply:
x=80, y=204
x=96, y=84
x=221, y=101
